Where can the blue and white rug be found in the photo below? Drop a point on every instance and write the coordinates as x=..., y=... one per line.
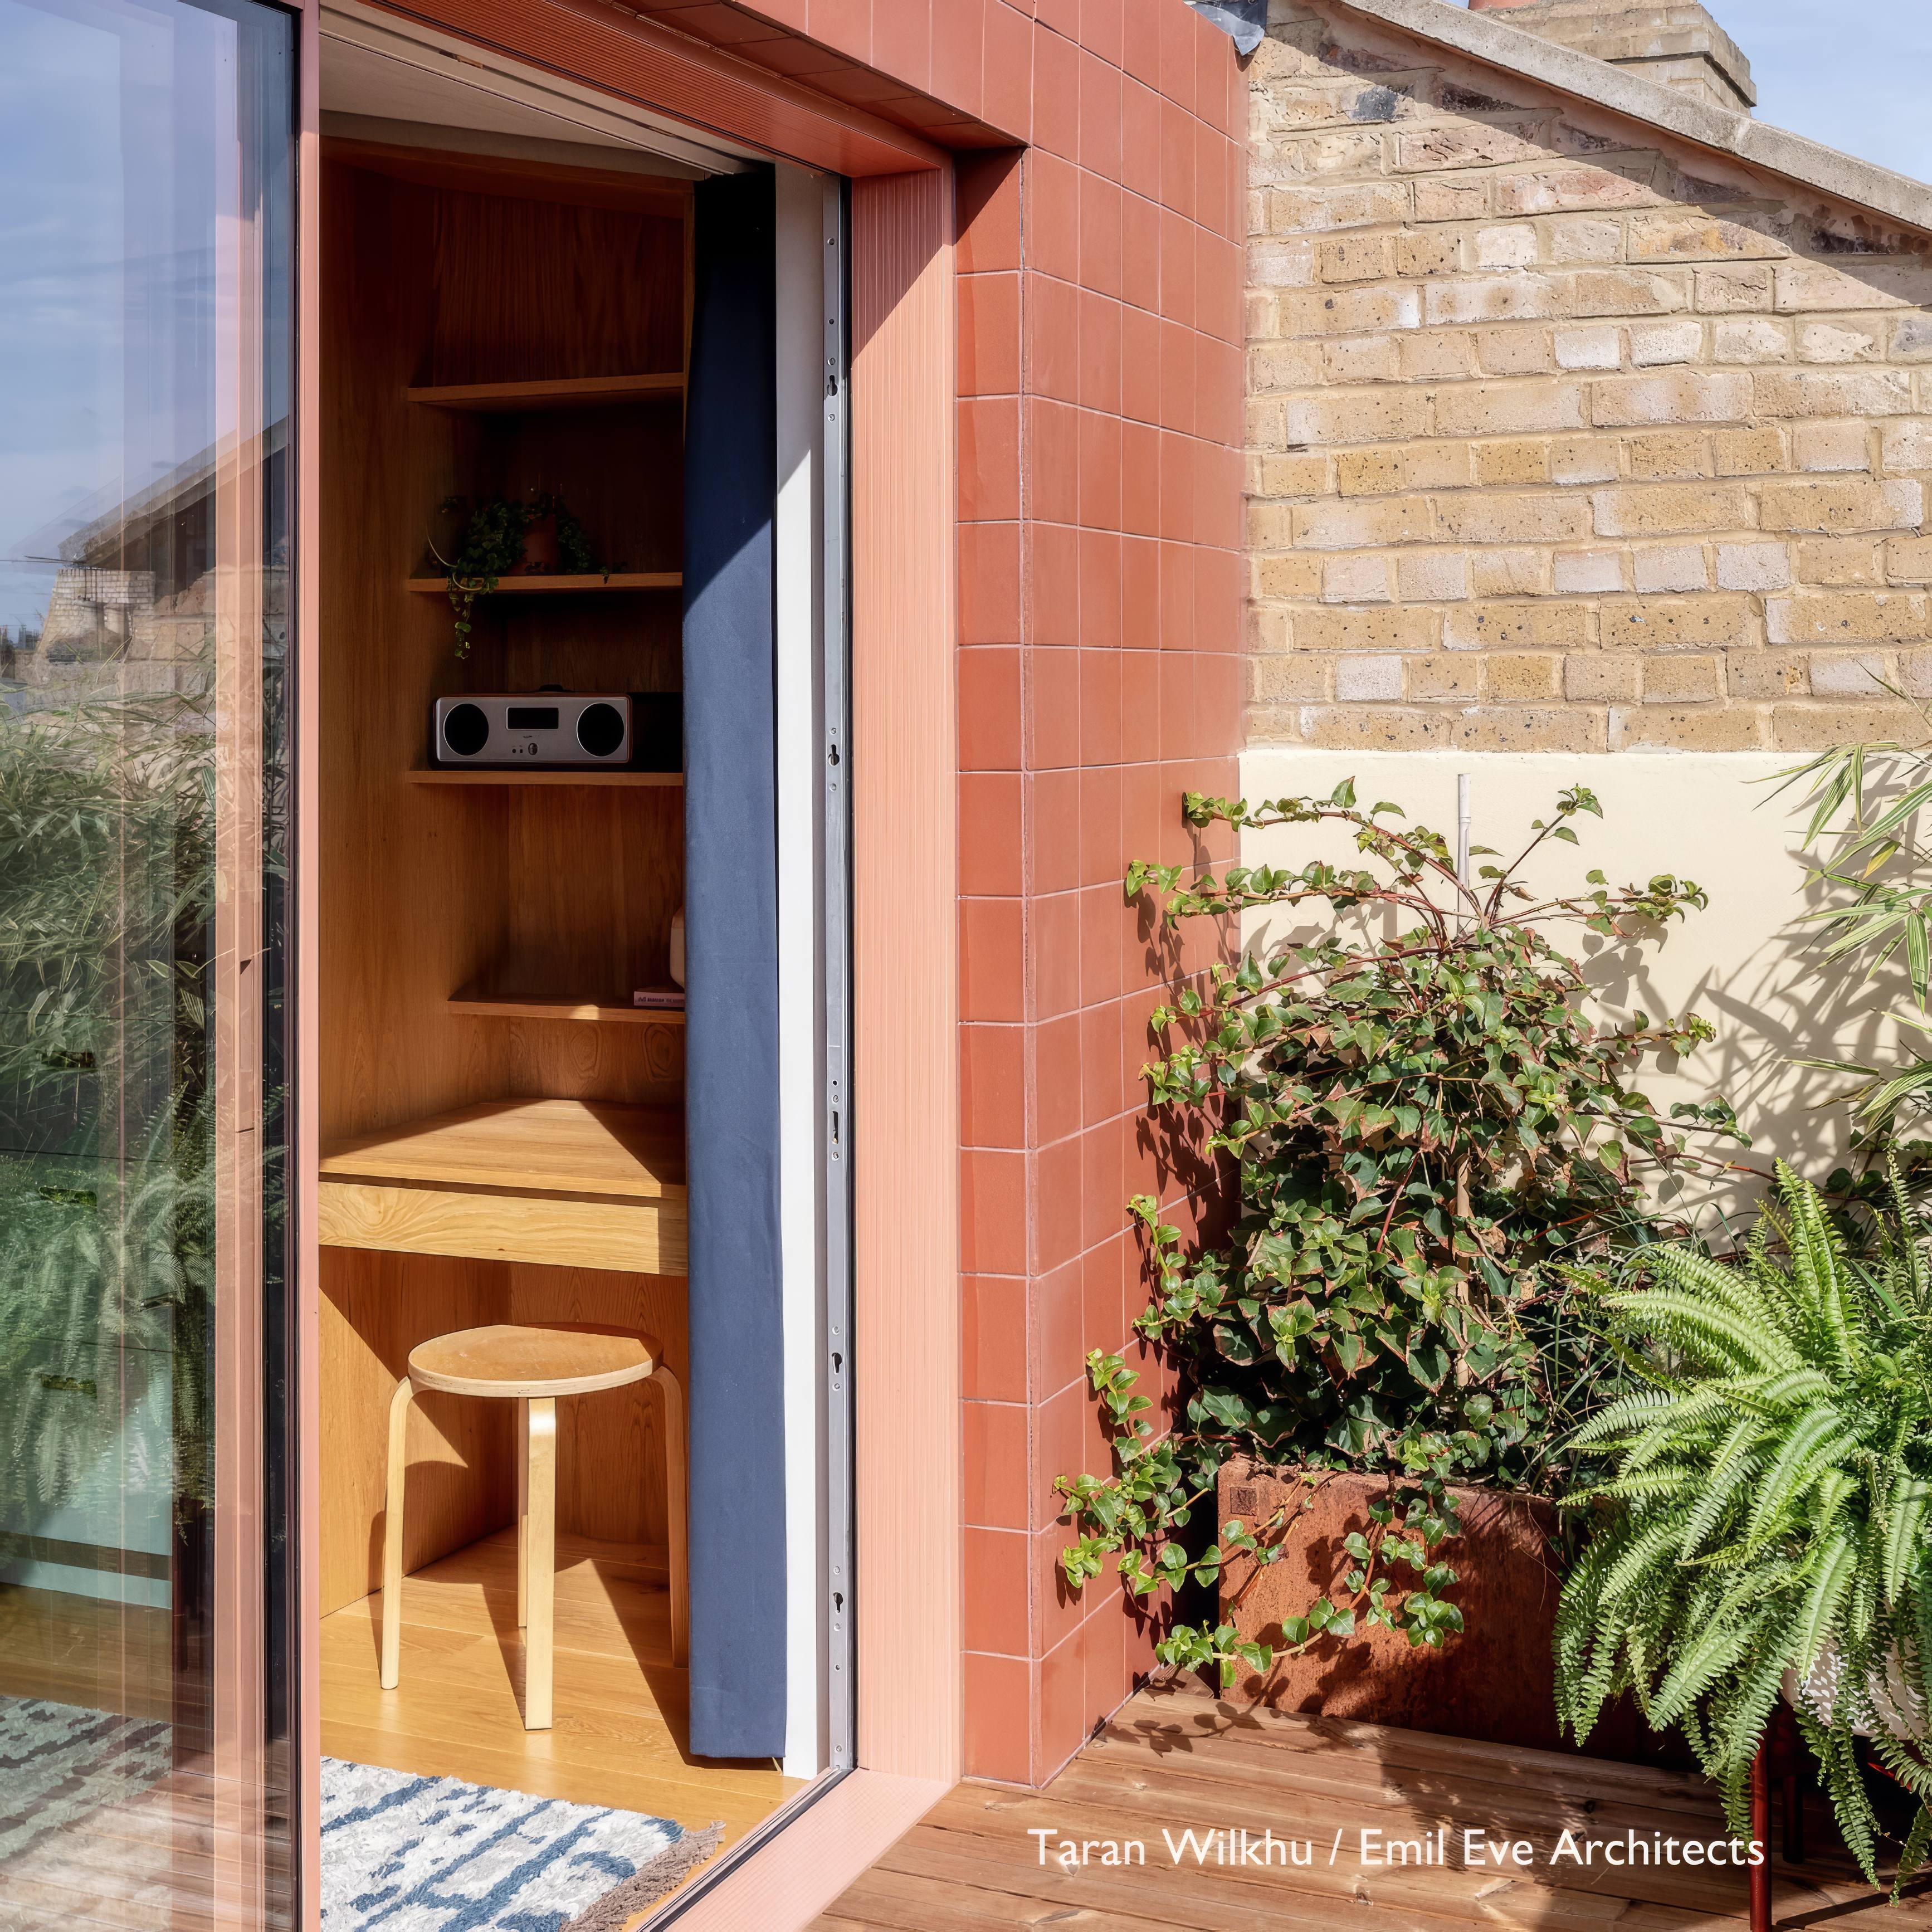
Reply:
x=405, y=1854
x=59, y=1763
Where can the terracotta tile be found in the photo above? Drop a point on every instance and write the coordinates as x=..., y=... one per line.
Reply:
x=1104, y=1271
x=993, y=1212
x=902, y=40
x=1177, y=267
x=1100, y=1055
x=1100, y=234
x=1052, y=455
x=992, y=959
x=1053, y=216
x=1140, y=264
x=1099, y=463
x=1211, y=152
x=992, y=1087
x=999, y=1486
x=1176, y=683
x=1177, y=484
x=1217, y=286
x=1100, y=596
x=723, y=26
x=1177, y=56
x=1218, y=699
x=1177, y=377
x=1058, y=1208
x=846, y=24
x=1052, y=676
x=999, y=1700
x=1062, y=15
x=989, y=335
x=1053, y=954
x=995, y=1336
x=1103, y=1189
x=1218, y=399
x=1100, y=85
x=1055, y=1086
x=1053, y=828
x=1140, y=480
x=1059, y=1348
x=798, y=60
x=1109, y=1676
x=1140, y=39
x=1101, y=914
x=957, y=49
x=1007, y=83
x=989, y=583
x=1053, y=583
x=989, y=708
x=1100, y=670
x=791, y=13
x=1100, y=22
x=1140, y=365
x=1060, y=1430
x=1139, y=1043
x=989, y=459
x=1099, y=384
x=1056, y=95
x=998, y=1590
x=990, y=851
x=1061, y=1612
x=990, y=211
x=1217, y=601
x=1140, y=668
x=859, y=86
x=1140, y=140
x=1052, y=313
x=1102, y=861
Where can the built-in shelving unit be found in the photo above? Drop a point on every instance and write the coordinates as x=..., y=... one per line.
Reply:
x=590, y=778
x=572, y=1184
x=556, y=584
x=574, y=392
x=496, y=1007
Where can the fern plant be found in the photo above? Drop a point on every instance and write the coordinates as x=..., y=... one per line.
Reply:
x=1764, y=1530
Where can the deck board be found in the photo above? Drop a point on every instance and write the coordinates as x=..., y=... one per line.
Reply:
x=1176, y=1758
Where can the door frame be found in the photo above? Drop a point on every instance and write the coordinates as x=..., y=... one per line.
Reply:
x=902, y=1125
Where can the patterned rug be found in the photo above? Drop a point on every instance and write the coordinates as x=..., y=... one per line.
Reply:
x=405, y=1854
x=59, y=1763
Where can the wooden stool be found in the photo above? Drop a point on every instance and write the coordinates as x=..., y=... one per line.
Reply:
x=533, y=1366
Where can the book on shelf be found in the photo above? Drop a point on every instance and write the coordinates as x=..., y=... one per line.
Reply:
x=661, y=999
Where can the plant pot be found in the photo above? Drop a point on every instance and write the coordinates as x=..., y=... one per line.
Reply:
x=540, y=552
x=1496, y=1682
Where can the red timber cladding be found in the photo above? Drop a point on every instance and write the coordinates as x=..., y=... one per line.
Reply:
x=1100, y=677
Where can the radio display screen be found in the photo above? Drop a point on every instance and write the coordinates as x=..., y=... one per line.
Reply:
x=532, y=718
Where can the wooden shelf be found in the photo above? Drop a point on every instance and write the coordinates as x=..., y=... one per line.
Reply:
x=495, y=1007
x=563, y=1183
x=594, y=777
x=557, y=585
x=569, y=393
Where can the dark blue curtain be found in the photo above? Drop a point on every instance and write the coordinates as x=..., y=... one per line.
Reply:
x=737, y=1415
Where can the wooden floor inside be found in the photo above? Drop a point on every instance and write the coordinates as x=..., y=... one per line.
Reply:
x=1175, y=1759
x=621, y=1735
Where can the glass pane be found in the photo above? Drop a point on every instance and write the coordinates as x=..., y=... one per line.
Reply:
x=144, y=376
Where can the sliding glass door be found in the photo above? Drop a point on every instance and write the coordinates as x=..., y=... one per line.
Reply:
x=145, y=367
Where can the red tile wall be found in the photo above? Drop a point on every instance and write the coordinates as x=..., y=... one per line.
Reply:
x=1100, y=425
x=1099, y=677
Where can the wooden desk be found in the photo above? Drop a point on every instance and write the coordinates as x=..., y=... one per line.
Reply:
x=564, y=1183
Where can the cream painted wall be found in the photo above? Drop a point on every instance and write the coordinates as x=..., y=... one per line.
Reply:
x=1746, y=964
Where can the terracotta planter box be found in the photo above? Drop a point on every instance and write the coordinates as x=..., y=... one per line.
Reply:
x=1496, y=1681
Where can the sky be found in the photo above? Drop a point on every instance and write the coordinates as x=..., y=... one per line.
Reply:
x=1854, y=74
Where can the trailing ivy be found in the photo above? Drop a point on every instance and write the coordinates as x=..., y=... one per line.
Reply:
x=1417, y=1136
x=491, y=546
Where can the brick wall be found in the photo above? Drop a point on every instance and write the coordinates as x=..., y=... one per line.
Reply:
x=1562, y=436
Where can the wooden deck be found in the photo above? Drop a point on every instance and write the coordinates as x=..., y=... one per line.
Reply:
x=1175, y=1761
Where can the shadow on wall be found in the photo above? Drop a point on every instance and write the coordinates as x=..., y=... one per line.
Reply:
x=1747, y=965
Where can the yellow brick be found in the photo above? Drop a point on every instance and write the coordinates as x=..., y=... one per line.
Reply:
x=1371, y=415
x=1518, y=727
x=1716, y=728
x=1523, y=677
x=1819, y=727
x=1551, y=626
x=1748, y=452
x=1768, y=674
x=1628, y=292
x=1356, y=258
x=1670, y=456
x=1519, y=461
x=1836, y=561
x=1682, y=680
x=1732, y=291
x=1360, y=358
x=1297, y=678
x=1454, y=676
x=1675, y=623
x=1664, y=508
x=1429, y=253
x=1514, y=519
x=1418, y=465
x=1601, y=677
x=1908, y=559
x=1846, y=617
x=1373, y=524
x=1382, y=629
x=1831, y=507
x=1294, y=476
x=1505, y=409
x=1369, y=727
x=1863, y=392
x=1509, y=573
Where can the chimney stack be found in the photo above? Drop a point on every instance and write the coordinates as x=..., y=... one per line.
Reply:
x=1674, y=42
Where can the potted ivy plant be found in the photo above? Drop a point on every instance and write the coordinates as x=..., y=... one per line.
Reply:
x=503, y=536
x=1764, y=1530
x=1420, y=1127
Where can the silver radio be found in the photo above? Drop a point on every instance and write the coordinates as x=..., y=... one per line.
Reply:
x=533, y=729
